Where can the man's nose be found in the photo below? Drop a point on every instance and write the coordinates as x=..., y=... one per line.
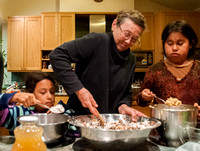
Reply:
x=128, y=41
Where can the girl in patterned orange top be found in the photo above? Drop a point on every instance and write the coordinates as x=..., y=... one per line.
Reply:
x=178, y=75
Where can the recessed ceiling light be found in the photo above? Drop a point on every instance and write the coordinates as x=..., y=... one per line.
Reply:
x=98, y=0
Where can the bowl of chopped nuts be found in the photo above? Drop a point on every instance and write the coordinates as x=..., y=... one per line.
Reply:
x=118, y=130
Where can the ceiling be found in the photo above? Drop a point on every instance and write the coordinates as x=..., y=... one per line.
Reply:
x=180, y=4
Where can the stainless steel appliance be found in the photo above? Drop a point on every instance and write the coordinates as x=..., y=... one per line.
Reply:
x=172, y=117
x=143, y=58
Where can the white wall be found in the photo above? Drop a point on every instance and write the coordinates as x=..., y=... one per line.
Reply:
x=149, y=6
x=92, y=6
x=25, y=7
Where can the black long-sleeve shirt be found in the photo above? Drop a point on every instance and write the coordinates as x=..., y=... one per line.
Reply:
x=100, y=68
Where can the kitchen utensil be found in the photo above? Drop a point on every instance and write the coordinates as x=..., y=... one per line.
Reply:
x=153, y=95
x=190, y=132
x=55, y=126
x=158, y=98
x=100, y=117
x=172, y=117
x=193, y=131
x=109, y=137
x=45, y=106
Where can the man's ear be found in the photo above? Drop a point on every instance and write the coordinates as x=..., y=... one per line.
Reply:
x=114, y=25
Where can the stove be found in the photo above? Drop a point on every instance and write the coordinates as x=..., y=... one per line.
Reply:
x=85, y=145
x=63, y=141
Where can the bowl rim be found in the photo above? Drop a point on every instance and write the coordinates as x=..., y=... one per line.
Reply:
x=174, y=108
x=49, y=124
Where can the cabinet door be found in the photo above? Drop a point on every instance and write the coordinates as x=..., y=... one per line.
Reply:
x=49, y=31
x=66, y=27
x=32, y=56
x=146, y=41
x=15, y=44
x=173, y=16
x=193, y=19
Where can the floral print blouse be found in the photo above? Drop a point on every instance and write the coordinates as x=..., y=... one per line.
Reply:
x=164, y=84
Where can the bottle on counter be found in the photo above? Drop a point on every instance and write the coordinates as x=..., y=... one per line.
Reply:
x=28, y=136
x=44, y=65
x=16, y=88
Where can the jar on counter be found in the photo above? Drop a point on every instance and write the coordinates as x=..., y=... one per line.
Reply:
x=28, y=136
x=49, y=66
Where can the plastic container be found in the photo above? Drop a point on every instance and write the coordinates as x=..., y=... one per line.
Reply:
x=28, y=135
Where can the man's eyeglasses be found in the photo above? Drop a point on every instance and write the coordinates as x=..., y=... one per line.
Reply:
x=127, y=35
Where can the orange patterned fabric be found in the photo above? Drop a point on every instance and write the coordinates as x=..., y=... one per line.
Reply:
x=164, y=84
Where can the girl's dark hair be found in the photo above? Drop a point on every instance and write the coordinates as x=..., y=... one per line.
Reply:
x=185, y=29
x=33, y=78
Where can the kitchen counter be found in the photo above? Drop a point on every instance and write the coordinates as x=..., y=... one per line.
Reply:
x=61, y=93
x=6, y=143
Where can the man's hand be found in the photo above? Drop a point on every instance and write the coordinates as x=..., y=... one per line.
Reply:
x=87, y=100
x=27, y=99
x=124, y=109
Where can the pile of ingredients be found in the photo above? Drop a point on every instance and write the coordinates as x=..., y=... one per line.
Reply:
x=173, y=102
x=114, y=125
x=57, y=109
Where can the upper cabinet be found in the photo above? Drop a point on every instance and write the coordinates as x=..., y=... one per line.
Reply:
x=163, y=18
x=24, y=44
x=57, y=28
x=193, y=19
x=146, y=41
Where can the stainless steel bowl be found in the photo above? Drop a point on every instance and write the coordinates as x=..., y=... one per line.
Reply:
x=110, y=137
x=55, y=126
x=172, y=117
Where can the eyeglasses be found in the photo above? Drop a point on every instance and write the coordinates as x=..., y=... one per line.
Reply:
x=127, y=35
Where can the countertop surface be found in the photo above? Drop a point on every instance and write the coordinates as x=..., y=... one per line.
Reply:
x=6, y=143
x=61, y=93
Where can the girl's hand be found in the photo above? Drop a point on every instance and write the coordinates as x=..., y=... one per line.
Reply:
x=27, y=99
x=147, y=95
x=198, y=115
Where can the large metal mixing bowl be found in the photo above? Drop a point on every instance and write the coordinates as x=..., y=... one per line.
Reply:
x=55, y=126
x=110, y=137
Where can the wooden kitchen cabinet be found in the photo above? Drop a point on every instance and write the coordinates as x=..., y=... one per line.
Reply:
x=146, y=41
x=193, y=19
x=24, y=44
x=57, y=28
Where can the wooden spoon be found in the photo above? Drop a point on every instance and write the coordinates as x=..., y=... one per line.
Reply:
x=100, y=118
